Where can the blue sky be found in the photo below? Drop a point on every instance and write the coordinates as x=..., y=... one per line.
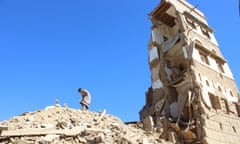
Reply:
x=50, y=48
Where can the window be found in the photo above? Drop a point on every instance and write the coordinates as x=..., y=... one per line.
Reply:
x=220, y=66
x=190, y=22
x=205, y=32
x=224, y=105
x=234, y=129
x=237, y=108
x=214, y=101
x=231, y=93
x=221, y=127
x=219, y=88
x=207, y=83
x=200, y=76
x=204, y=58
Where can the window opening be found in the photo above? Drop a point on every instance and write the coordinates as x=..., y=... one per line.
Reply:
x=224, y=105
x=207, y=82
x=214, y=101
x=234, y=129
x=238, y=109
x=205, y=32
x=221, y=127
x=200, y=76
x=219, y=88
x=220, y=66
x=231, y=93
x=190, y=22
x=204, y=58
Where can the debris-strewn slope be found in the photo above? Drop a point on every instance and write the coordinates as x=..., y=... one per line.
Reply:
x=58, y=124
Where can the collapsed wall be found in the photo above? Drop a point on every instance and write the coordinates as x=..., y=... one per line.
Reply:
x=64, y=125
x=193, y=96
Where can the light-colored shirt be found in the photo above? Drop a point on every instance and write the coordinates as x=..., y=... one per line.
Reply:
x=86, y=97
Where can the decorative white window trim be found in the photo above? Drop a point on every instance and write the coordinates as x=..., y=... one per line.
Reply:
x=157, y=84
x=153, y=54
x=157, y=36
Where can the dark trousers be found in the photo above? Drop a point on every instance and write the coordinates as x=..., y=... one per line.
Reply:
x=84, y=107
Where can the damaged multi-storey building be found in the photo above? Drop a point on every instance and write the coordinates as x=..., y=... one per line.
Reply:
x=193, y=97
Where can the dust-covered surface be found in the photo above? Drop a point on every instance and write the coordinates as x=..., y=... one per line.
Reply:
x=56, y=124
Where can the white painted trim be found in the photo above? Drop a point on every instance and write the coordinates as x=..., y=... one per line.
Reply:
x=157, y=36
x=157, y=84
x=153, y=54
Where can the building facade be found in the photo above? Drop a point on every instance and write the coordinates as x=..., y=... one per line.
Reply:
x=193, y=97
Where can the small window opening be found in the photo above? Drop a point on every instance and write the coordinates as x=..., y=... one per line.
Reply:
x=234, y=129
x=219, y=88
x=220, y=66
x=190, y=22
x=231, y=93
x=204, y=58
x=221, y=127
x=199, y=75
x=214, y=101
x=238, y=109
x=207, y=82
x=225, y=106
x=205, y=32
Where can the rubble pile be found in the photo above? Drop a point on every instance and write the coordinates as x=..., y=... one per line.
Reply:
x=56, y=124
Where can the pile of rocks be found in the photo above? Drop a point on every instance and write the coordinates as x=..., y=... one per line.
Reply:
x=56, y=124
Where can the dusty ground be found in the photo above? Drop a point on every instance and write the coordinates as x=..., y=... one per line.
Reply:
x=56, y=124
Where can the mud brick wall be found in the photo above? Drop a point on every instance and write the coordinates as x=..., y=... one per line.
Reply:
x=207, y=43
x=221, y=128
x=215, y=79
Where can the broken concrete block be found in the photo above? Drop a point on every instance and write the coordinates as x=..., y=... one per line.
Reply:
x=148, y=123
x=100, y=138
x=109, y=130
x=145, y=141
x=2, y=127
x=160, y=125
x=48, y=126
x=61, y=125
x=30, y=119
x=50, y=138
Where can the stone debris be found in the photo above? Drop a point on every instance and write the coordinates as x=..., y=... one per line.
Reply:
x=193, y=97
x=56, y=124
